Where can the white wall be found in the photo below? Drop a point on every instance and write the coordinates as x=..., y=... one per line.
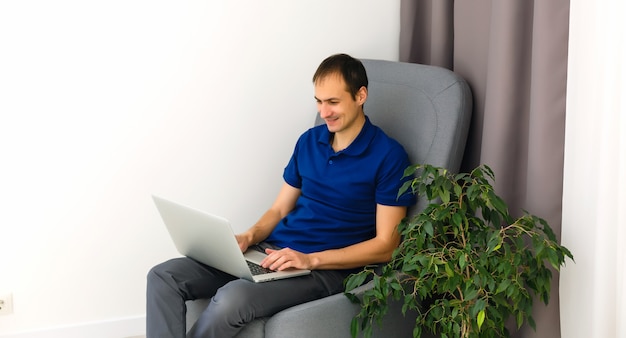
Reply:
x=104, y=102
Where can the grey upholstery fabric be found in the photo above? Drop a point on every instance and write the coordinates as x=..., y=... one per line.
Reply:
x=427, y=109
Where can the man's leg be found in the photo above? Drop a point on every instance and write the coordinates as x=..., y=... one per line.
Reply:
x=172, y=283
x=240, y=301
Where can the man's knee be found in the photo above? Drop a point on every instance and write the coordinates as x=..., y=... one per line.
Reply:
x=163, y=274
x=157, y=272
x=233, y=300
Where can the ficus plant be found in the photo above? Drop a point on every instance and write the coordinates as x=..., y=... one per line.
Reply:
x=464, y=265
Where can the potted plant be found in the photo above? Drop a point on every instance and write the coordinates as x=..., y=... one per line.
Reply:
x=464, y=264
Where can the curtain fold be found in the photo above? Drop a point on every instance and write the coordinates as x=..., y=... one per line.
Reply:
x=514, y=56
x=593, y=296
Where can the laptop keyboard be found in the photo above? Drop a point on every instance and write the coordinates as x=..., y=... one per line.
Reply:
x=257, y=269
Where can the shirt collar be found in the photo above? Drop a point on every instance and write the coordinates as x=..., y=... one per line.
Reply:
x=360, y=143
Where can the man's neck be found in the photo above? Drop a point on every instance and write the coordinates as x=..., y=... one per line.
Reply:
x=343, y=139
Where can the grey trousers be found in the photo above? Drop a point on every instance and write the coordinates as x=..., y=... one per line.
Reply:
x=234, y=302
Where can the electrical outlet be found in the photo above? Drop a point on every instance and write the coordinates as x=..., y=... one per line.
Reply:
x=6, y=303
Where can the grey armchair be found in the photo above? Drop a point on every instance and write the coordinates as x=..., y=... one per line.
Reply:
x=427, y=109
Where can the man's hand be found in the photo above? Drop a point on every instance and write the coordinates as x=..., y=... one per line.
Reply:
x=284, y=203
x=286, y=258
x=244, y=241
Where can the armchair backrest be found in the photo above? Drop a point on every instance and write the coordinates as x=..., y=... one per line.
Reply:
x=425, y=108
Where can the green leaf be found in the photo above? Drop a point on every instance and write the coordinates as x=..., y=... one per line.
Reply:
x=355, y=280
x=354, y=327
x=498, y=203
x=411, y=170
x=503, y=286
x=531, y=322
x=417, y=331
x=445, y=196
x=472, y=192
x=494, y=241
x=404, y=188
x=457, y=219
x=353, y=298
x=449, y=271
x=428, y=228
x=480, y=318
x=519, y=319
x=458, y=190
x=462, y=261
x=470, y=294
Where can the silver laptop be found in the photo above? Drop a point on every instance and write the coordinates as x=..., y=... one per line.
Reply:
x=210, y=239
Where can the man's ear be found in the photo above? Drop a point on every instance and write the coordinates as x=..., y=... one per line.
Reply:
x=361, y=95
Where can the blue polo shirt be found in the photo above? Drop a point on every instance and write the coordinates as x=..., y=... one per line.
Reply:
x=340, y=190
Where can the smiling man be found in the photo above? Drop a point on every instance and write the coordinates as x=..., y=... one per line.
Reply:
x=336, y=212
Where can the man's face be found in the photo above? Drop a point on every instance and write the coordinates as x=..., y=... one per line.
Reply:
x=335, y=104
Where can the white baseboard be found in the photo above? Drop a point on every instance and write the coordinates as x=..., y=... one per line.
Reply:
x=116, y=328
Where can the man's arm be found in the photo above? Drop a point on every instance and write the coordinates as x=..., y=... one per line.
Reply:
x=284, y=203
x=376, y=250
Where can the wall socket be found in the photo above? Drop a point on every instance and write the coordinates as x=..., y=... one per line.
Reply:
x=6, y=303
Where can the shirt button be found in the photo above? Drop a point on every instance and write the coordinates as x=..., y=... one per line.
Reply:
x=330, y=162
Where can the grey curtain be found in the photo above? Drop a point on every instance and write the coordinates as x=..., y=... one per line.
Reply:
x=513, y=53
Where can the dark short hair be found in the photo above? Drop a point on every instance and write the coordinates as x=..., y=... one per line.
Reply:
x=351, y=70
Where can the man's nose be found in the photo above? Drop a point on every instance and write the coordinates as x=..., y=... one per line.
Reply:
x=324, y=110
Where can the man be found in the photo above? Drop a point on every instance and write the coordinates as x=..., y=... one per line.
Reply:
x=337, y=211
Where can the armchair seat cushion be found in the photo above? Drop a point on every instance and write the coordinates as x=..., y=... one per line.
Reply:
x=329, y=317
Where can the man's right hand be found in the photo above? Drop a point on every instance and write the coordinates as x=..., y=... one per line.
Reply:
x=284, y=203
x=244, y=241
